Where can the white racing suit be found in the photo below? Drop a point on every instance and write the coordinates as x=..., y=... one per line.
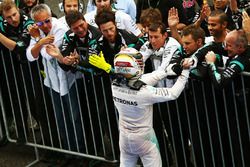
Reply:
x=135, y=108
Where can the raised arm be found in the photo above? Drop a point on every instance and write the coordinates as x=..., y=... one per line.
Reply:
x=173, y=21
x=246, y=24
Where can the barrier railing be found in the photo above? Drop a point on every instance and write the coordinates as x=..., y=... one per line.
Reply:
x=205, y=126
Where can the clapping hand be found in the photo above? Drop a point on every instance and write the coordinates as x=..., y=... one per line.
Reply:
x=210, y=57
x=74, y=58
x=205, y=11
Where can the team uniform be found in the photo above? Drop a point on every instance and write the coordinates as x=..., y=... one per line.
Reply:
x=71, y=42
x=19, y=34
x=123, y=39
x=15, y=66
x=234, y=66
x=134, y=101
x=160, y=58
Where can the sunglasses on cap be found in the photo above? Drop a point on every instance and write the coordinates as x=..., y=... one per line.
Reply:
x=41, y=23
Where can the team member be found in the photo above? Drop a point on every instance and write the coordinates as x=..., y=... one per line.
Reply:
x=160, y=49
x=236, y=46
x=127, y=6
x=80, y=37
x=15, y=37
x=61, y=83
x=113, y=39
x=69, y=5
x=122, y=20
x=236, y=50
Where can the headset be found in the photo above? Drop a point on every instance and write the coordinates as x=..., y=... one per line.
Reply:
x=61, y=6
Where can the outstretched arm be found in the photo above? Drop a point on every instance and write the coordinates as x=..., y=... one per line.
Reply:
x=205, y=12
x=8, y=43
x=54, y=51
x=157, y=75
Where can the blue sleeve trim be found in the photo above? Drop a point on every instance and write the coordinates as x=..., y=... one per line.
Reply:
x=237, y=63
x=141, y=40
x=131, y=45
x=1, y=24
x=92, y=42
x=66, y=37
x=29, y=22
x=218, y=57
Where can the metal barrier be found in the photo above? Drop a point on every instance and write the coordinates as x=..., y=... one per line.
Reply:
x=25, y=101
x=212, y=122
x=2, y=132
x=205, y=126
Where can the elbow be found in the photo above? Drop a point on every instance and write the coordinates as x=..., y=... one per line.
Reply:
x=30, y=56
x=175, y=96
x=34, y=55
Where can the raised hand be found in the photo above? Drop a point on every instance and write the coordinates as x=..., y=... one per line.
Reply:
x=173, y=18
x=210, y=57
x=205, y=11
x=245, y=22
